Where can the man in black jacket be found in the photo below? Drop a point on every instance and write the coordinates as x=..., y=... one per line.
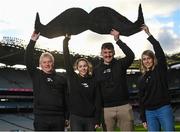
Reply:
x=49, y=90
x=111, y=76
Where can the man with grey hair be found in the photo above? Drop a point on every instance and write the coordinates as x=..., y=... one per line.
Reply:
x=49, y=89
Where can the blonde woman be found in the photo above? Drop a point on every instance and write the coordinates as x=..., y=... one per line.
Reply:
x=84, y=93
x=156, y=111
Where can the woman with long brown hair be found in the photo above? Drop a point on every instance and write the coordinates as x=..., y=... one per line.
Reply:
x=156, y=111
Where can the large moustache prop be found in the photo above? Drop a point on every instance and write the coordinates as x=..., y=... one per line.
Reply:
x=101, y=20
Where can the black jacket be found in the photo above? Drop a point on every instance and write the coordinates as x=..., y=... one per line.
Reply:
x=112, y=78
x=85, y=99
x=49, y=89
x=153, y=85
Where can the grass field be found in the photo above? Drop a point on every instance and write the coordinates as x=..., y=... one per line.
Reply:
x=140, y=128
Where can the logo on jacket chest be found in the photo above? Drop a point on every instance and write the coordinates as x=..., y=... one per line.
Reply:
x=148, y=79
x=49, y=79
x=107, y=71
x=85, y=85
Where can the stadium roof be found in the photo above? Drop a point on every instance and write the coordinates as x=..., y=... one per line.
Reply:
x=14, y=54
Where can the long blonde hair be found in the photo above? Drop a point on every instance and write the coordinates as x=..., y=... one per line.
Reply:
x=88, y=63
x=149, y=53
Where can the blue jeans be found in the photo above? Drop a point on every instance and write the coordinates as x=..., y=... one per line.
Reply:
x=160, y=118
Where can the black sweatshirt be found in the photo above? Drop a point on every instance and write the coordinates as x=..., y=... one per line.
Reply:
x=112, y=78
x=49, y=89
x=153, y=85
x=85, y=99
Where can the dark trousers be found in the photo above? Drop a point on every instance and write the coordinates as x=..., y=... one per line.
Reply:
x=78, y=123
x=49, y=123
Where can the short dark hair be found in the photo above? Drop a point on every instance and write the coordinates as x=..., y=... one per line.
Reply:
x=107, y=45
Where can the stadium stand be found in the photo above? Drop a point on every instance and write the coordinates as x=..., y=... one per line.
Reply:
x=16, y=93
x=15, y=89
x=15, y=84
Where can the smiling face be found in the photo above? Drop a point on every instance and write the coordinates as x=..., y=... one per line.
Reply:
x=46, y=62
x=147, y=61
x=107, y=54
x=82, y=67
x=47, y=65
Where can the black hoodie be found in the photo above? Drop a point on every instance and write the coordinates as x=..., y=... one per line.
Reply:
x=153, y=85
x=112, y=78
x=85, y=98
x=49, y=89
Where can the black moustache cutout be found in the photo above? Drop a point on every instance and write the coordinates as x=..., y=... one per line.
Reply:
x=101, y=20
